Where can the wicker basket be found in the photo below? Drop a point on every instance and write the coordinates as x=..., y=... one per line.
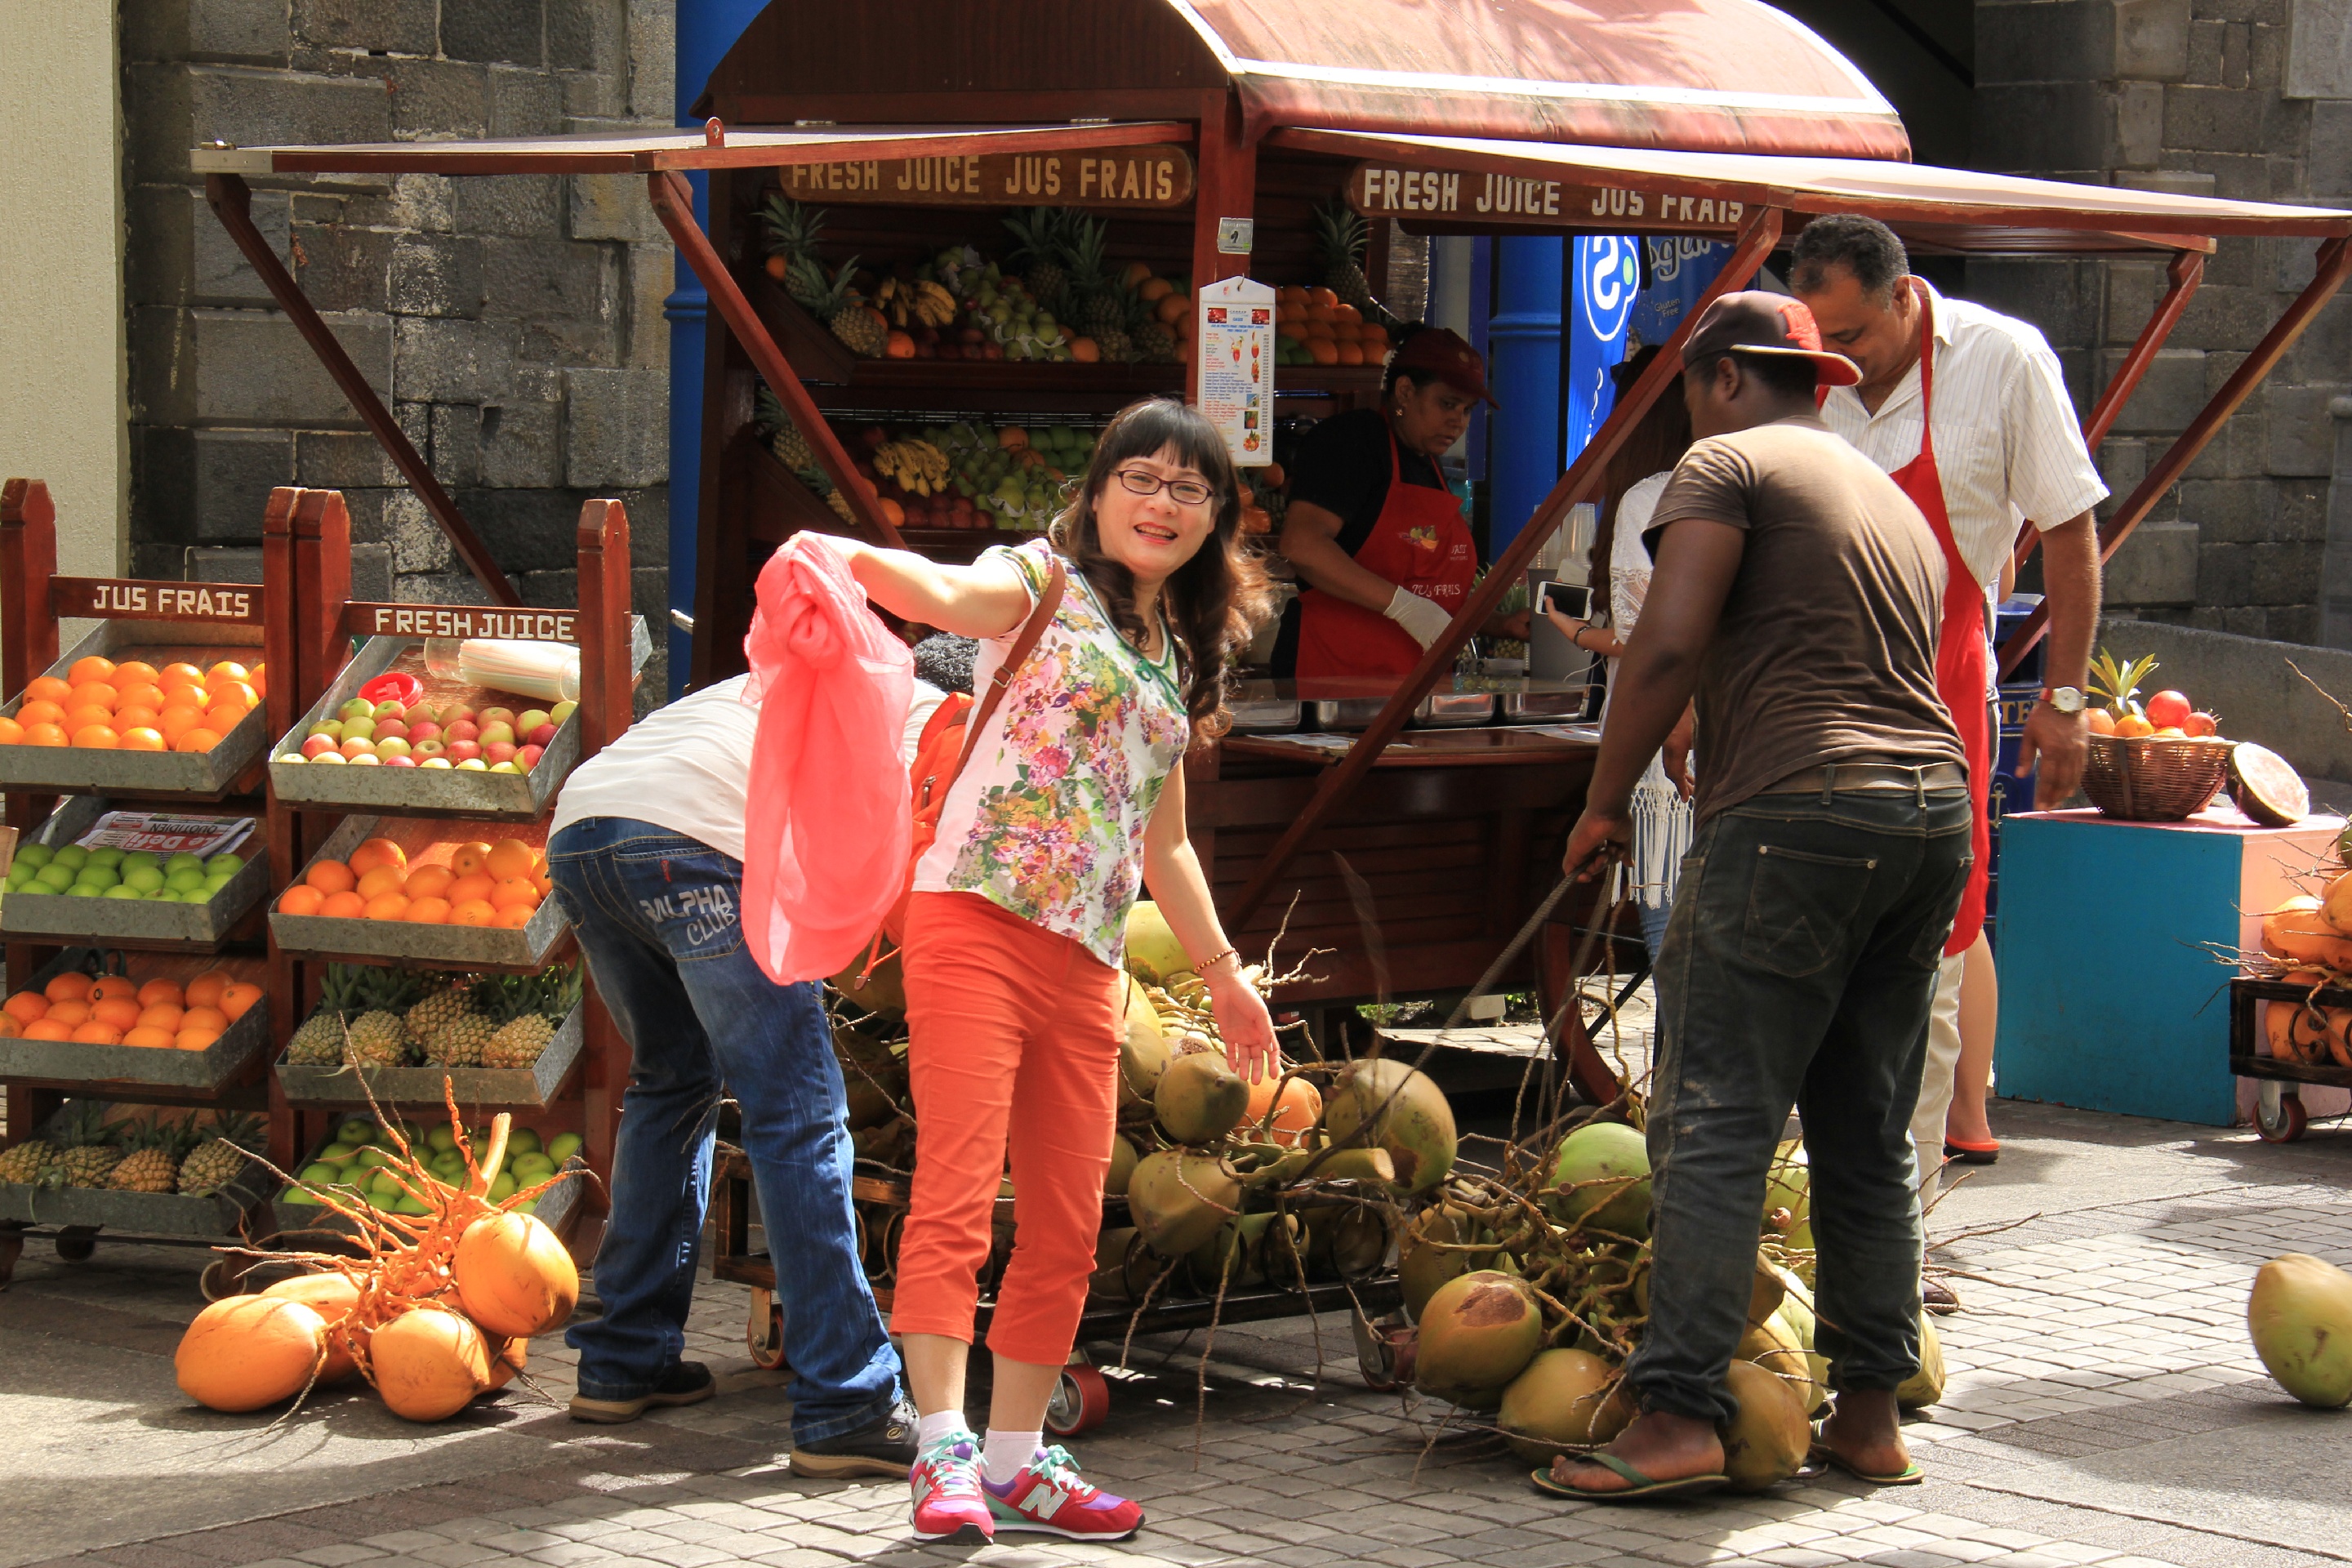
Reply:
x=2148, y=780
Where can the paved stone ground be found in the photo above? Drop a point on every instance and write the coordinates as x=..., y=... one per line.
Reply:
x=2105, y=1408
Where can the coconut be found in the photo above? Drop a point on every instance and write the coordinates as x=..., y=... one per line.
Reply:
x=1142, y=1048
x=1123, y=1159
x=247, y=1352
x=1301, y=1109
x=427, y=1364
x=1564, y=1399
x=1600, y=1178
x=1478, y=1334
x=1178, y=1197
x=1774, y=1345
x=1153, y=950
x=2300, y=1316
x=1424, y=1261
x=1926, y=1386
x=1788, y=1185
x=1410, y=1117
x=2299, y=930
x=507, y=1358
x=1199, y=1099
x=1234, y=1257
x=332, y=1296
x=514, y=1277
x=1766, y=1442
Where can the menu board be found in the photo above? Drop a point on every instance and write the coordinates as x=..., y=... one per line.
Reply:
x=1234, y=366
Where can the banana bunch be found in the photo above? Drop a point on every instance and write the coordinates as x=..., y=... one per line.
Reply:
x=920, y=304
x=917, y=465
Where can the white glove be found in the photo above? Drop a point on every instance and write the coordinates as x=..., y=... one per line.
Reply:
x=1424, y=620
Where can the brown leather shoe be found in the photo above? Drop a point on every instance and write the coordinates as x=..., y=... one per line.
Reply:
x=1938, y=1298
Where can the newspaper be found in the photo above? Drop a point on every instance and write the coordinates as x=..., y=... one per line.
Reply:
x=166, y=833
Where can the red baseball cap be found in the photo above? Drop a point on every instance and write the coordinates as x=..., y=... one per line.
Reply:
x=1758, y=322
x=1438, y=353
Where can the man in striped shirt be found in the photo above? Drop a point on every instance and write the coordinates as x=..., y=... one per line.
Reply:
x=1982, y=435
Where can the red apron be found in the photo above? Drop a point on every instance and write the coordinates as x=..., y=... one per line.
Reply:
x=1961, y=666
x=1418, y=542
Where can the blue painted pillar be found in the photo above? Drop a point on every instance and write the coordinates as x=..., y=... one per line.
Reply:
x=707, y=29
x=1523, y=367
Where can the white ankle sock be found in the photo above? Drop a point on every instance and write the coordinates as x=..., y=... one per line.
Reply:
x=1007, y=1452
x=946, y=1423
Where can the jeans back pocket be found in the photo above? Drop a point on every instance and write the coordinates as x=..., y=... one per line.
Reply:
x=1802, y=907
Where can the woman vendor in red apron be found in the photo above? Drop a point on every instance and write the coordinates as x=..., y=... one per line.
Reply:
x=1377, y=540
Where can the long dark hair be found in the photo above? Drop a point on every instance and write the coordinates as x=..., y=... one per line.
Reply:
x=1215, y=601
x=1653, y=446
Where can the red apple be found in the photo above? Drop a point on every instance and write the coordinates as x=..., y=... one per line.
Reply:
x=495, y=730
x=400, y=761
x=462, y=729
x=430, y=748
x=454, y=712
x=317, y=744
x=489, y=716
x=498, y=752
x=528, y=756
x=423, y=730
x=392, y=729
x=542, y=738
x=463, y=751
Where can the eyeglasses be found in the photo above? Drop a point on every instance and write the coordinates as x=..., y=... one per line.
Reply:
x=1183, y=493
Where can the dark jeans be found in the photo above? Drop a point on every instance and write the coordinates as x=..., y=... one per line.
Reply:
x=1798, y=969
x=659, y=920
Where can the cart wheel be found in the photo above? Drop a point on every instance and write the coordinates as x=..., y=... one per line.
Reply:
x=1081, y=1401
x=765, y=1332
x=2287, y=1124
x=75, y=1243
x=1384, y=1351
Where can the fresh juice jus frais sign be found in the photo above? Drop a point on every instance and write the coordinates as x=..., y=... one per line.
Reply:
x=1474, y=196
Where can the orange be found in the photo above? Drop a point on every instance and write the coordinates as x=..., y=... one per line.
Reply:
x=159, y=992
x=149, y=1034
x=210, y=1018
x=344, y=906
x=383, y=880
x=1324, y=350
x=95, y=694
x=473, y=912
x=542, y=881
x=466, y=889
x=471, y=858
x=134, y=715
x=177, y=721
x=387, y=906
x=239, y=997
x=26, y=1006
x=2131, y=727
x=260, y=679
x=199, y=739
x=186, y=696
x=71, y=986
x=116, y=1013
x=226, y=669
x=94, y=668
x=1352, y=353
x=430, y=882
x=10, y=732
x=195, y=1040
x=205, y=989
x=301, y=899
x=134, y=670
x=47, y=688
x=46, y=1029
x=163, y=1016
x=330, y=877
x=224, y=718
x=515, y=918
x=111, y=985
x=71, y=1013
x=98, y=737
x=40, y=711
x=236, y=694
x=97, y=1034
x=379, y=852
x=182, y=673
x=512, y=857
x=83, y=715
x=427, y=911
x=44, y=735
x=514, y=893
x=140, y=694
x=142, y=739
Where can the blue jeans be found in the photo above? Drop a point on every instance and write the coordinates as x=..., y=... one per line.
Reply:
x=1798, y=969
x=659, y=920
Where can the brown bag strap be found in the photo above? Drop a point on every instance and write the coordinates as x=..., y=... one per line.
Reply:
x=1031, y=632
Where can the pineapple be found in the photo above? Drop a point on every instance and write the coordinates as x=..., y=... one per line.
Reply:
x=791, y=448
x=426, y=1021
x=89, y=1154
x=1341, y=235
x=153, y=1164
x=25, y=1162
x=220, y=1159
x=528, y=1010
x=838, y=305
x=793, y=229
x=464, y=1042
x=1041, y=237
x=376, y=1038
x=1102, y=305
x=319, y=1042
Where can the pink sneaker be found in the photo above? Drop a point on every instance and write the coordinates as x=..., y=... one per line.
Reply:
x=949, y=1503
x=1049, y=1495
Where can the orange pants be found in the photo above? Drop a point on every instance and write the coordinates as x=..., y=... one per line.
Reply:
x=1014, y=1043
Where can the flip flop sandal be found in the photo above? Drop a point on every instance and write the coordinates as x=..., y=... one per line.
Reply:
x=1822, y=1453
x=1639, y=1486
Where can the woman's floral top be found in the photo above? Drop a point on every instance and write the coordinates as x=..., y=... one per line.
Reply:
x=1049, y=818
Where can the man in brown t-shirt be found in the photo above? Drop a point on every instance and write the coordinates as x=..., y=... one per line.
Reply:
x=1795, y=593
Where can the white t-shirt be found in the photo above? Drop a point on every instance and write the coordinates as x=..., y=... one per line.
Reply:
x=687, y=767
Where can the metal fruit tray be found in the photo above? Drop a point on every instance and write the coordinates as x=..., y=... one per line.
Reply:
x=207, y=775
x=130, y=922
x=533, y=1086
x=516, y=950
x=66, y=1062
x=556, y=1206
x=149, y=1213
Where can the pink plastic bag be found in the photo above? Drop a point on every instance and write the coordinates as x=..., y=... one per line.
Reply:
x=825, y=830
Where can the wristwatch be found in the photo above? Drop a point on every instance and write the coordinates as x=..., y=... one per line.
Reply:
x=2066, y=699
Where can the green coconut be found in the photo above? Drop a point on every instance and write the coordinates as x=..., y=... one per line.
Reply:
x=1234, y=1257
x=1153, y=950
x=1123, y=1161
x=1178, y=1197
x=1766, y=1442
x=2300, y=1316
x=1142, y=1049
x=1600, y=1180
x=1796, y=1312
x=1564, y=1399
x=1478, y=1334
x=1199, y=1099
x=1773, y=1346
x=1425, y=1259
x=1409, y=1117
x=1926, y=1386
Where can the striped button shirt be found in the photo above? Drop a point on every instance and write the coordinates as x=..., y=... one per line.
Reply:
x=2008, y=445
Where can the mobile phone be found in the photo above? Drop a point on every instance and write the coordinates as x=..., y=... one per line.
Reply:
x=1570, y=599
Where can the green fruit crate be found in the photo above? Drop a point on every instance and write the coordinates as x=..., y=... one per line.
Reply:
x=207, y=775
x=479, y=796
x=554, y=1207
x=67, y=1064
x=523, y=950
x=534, y=1086
x=130, y=922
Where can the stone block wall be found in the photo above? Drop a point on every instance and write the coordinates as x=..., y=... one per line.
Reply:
x=514, y=325
x=2244, y=99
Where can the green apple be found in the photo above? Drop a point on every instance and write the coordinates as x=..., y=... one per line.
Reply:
x=123, y=892
x=224, y=865
x=357, y=708
x=36, y=856
x=106, y=855
x=184, y=861
x=72, y=857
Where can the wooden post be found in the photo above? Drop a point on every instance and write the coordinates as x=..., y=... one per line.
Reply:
x=28, y=632
x=1224, y=186
x=607, y=702
x=286, y=701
